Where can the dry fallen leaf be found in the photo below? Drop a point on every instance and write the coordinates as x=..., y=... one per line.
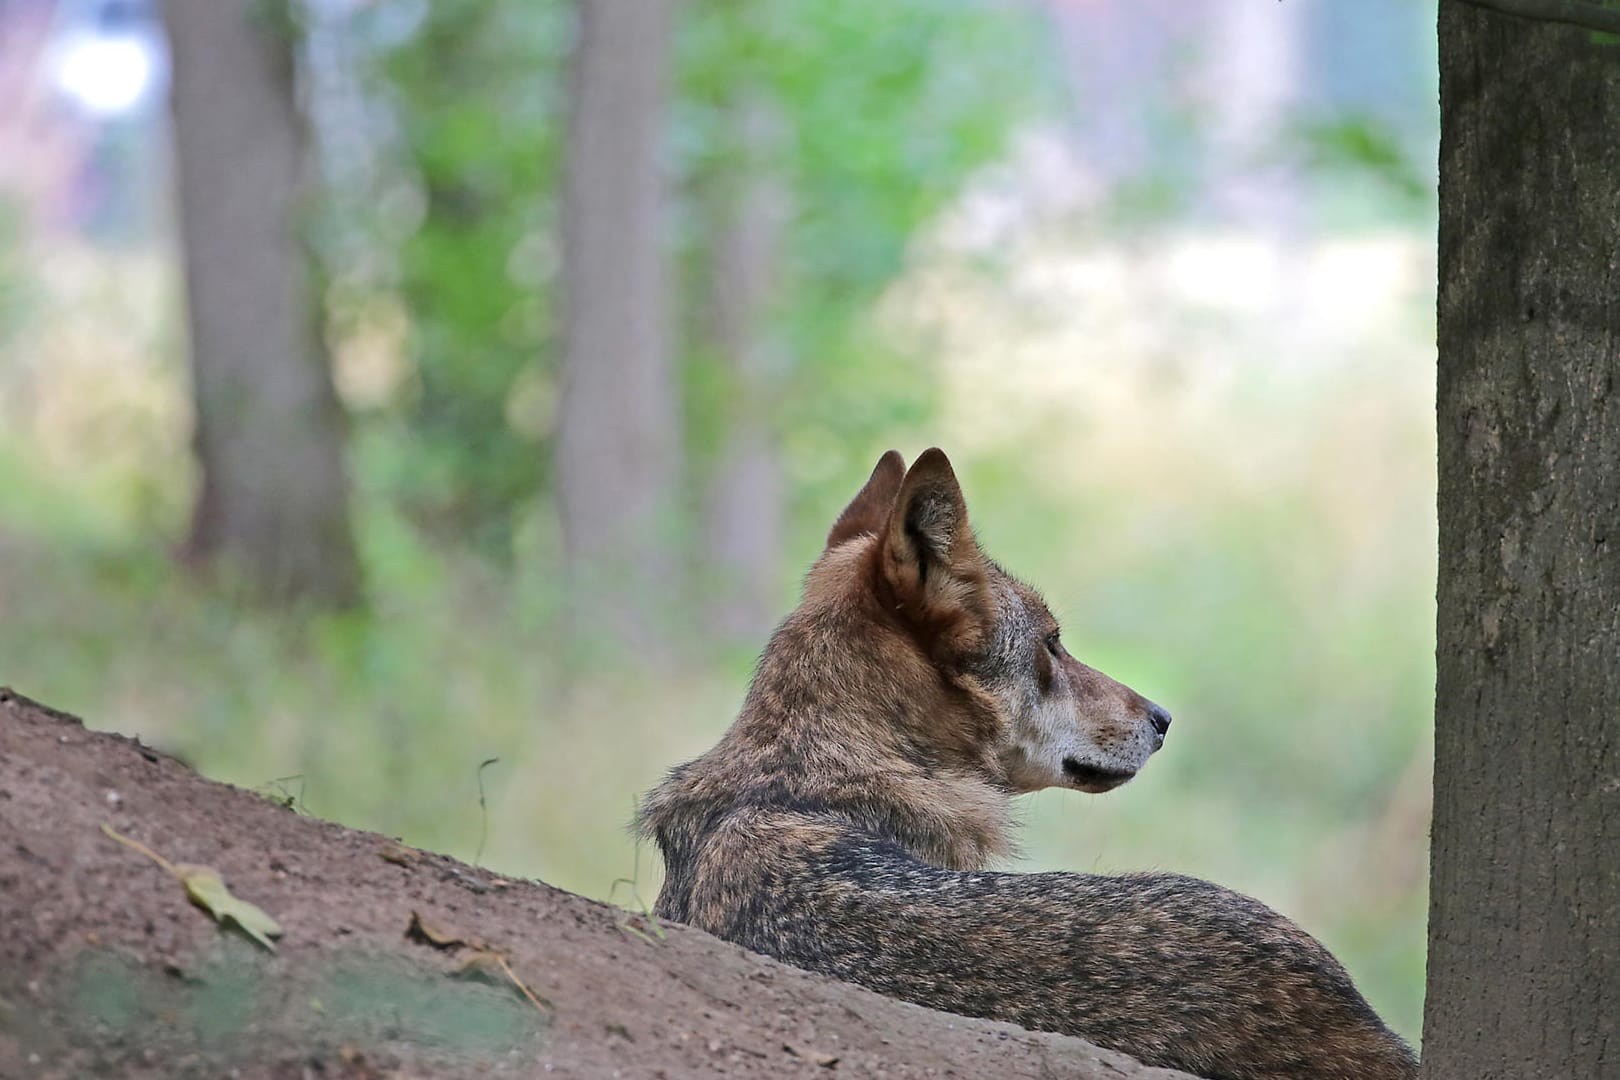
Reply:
x=399, y=855
x=648, y=930
x=826, y=1061
x=429, y=934
x=467, y=881
x=482, y=961
x=482, y=964
x=207, y=890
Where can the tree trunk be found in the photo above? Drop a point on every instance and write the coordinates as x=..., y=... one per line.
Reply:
x=618, y=432
x=743, y=515
x=269, y=431
x=1524, y=928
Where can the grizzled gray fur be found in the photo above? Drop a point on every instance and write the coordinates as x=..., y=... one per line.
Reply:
x=844, y=822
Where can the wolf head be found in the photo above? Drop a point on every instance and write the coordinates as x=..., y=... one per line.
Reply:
x=904, y=551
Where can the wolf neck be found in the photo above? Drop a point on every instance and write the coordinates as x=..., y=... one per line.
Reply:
x=884, y=745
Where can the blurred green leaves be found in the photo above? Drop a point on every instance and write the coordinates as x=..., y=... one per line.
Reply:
x=475, y=94
x=886, y=109
x=1350, y=143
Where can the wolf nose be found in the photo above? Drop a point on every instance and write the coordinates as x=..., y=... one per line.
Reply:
x=1159, y=718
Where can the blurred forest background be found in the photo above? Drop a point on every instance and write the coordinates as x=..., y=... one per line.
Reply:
x=440, y=382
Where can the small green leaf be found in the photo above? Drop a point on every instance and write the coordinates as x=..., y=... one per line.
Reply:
x=207, y=890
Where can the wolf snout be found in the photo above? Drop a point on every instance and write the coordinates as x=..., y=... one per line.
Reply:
x=1159, y=717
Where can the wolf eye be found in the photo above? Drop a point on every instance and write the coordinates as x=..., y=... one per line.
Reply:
x=1053, y=644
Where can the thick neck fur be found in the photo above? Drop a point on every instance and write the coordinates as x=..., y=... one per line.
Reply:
x=847, y=716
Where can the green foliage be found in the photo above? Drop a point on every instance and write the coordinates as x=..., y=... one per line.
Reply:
x=886, y=109
x=890, y=107
x=1355, y=143
x=475, y=91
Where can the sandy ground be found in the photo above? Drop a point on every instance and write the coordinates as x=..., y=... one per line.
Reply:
x=106, y=968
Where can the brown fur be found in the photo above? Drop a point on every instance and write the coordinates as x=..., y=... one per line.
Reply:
x=843, y=823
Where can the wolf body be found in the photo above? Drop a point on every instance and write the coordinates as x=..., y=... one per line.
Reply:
x=843, y=823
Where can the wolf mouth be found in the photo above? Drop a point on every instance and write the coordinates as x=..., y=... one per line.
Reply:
x=1095, y=778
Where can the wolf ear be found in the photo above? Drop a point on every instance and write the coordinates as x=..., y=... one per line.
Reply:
x=868, y=511
x=931, y=562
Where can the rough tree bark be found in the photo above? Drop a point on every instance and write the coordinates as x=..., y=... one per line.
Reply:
x=618, y=449
x=1524, y=928
x=270, y=432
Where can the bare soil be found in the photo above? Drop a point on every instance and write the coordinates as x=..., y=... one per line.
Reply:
x=106, y=968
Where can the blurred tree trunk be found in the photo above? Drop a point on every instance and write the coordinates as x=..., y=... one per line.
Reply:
x=747, y=492
x=618, y=455
x=1524, y=928
x=269, y=437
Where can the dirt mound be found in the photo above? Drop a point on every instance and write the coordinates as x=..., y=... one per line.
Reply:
x=107, y=969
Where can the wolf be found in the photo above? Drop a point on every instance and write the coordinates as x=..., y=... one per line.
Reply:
x=844, y=822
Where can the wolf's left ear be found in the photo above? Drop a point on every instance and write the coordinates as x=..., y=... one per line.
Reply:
x=931, y=562
x=868, y=511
